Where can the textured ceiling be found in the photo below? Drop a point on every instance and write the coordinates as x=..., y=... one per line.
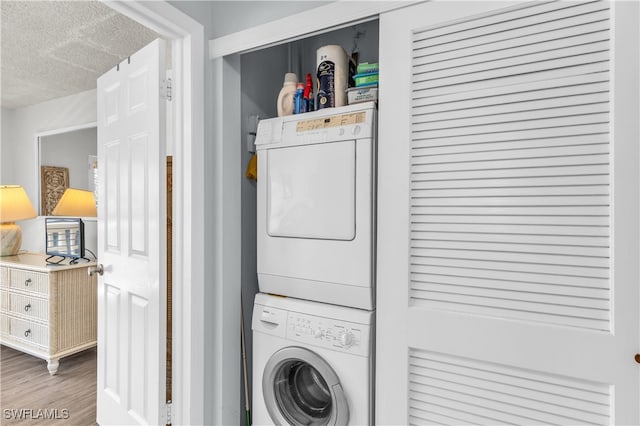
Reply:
x=51, y=49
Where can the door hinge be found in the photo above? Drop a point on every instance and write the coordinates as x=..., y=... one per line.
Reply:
x=165, y=89
x=169, y=406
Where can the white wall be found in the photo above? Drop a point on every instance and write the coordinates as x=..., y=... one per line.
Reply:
x=47, y=116
x=7, y=156
x=19, y=147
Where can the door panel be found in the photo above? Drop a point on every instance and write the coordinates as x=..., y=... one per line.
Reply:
x=131, y=235
x=506, y=168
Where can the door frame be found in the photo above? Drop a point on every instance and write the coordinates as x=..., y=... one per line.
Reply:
x=187, y=43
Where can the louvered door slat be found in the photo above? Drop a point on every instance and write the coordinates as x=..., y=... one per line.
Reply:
x=457, y=286
x=541, y=54
x=519, y=18
x=513, y=103
x=516, y=191
x=489, y=228
x=540, y=259
x=505, y=266
x=515, y=173
x=508, y=403
x=420, y=140
x=442, y=409
x=531, y=123
x=444, y=378
x=544, y=117
x=592, y=392
x=524, y=74
x=527, y=282
x=526, y=153
x=555, y=37
x=424, y=417
x=566, y=240
x=523, y=182
x=535, y=89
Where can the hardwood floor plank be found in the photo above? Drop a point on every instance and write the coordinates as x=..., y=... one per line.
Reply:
x=27, y=390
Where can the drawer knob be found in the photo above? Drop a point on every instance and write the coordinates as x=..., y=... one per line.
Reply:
x=27, y=307
x=27, y=282
x=27, y=333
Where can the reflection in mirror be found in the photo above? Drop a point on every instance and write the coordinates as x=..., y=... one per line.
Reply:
x=66, y=159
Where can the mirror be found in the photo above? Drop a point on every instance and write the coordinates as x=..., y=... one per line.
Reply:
x=67, y=159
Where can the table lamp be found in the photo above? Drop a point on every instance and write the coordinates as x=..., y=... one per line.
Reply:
x=76, y=202
x=14, y=205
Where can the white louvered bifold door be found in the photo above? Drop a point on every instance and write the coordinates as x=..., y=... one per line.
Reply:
x=508, y=214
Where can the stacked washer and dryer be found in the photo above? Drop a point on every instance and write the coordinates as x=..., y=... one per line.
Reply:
x=313, y=320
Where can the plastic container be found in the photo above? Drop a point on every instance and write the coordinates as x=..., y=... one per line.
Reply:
x=299, y=106
x=308, y=94
x=366, y=79
x=362, y=94
x=367, y=68
x=332, y=76
x=285, y=97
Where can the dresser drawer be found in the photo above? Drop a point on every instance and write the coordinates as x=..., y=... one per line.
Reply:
x=4, y=324
x=4, y=301
x=4, y=277
x=29, y=331
x=29, y=281
x=29, y=306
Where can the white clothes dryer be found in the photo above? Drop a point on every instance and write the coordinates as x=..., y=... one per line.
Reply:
x=312, y=363
x=316, y=205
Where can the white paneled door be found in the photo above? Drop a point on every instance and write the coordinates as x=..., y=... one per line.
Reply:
x=131, y=240
x=508, y=214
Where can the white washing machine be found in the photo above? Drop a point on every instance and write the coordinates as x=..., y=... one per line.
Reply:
x=312, y=363
x=316, y=205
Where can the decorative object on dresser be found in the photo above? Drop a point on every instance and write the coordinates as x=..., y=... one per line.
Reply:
x=54, y=181
x=48, y=311
x=65, y=237
x=14, y=205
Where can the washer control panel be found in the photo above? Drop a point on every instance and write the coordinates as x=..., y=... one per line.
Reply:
x=328, y=333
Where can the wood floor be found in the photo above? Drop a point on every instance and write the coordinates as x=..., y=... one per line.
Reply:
x=28, y=390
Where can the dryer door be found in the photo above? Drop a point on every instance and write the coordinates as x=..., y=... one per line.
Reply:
x=311, y=191
x=300, y=388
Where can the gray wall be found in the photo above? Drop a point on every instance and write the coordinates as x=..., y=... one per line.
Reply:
x=7, y=156
x=71, y=150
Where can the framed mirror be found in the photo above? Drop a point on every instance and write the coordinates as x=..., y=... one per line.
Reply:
x=67, y=158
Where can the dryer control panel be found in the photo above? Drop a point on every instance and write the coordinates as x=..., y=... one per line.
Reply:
x=328, y=333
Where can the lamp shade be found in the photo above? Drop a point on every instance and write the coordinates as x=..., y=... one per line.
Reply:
x=76, y=202
x=15, y=204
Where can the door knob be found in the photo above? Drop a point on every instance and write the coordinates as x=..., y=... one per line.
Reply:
x=98, y=269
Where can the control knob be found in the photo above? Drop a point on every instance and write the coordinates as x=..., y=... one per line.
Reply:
x=345, y=338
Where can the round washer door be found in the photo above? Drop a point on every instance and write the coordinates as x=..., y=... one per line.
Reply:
x=300, y=388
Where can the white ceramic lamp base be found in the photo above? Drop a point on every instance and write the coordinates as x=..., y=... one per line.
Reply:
x=10, y=239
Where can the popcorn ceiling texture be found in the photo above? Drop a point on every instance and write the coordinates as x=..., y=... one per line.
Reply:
x=52, y=49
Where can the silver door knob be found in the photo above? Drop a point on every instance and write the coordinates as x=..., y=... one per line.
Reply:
x=98, y=269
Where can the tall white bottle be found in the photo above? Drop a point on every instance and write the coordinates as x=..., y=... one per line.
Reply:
x=287, y=94
x=332, y=76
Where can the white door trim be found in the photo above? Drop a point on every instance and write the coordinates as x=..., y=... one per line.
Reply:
x=187, y=37
x=307, y=23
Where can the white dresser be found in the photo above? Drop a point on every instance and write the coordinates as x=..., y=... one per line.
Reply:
x=49, y=311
